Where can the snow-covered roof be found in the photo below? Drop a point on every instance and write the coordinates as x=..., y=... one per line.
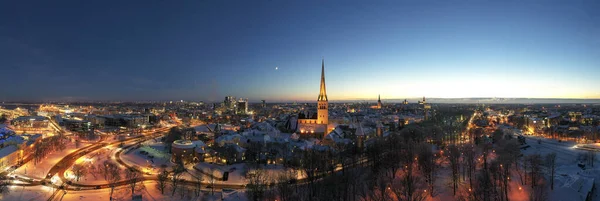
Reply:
x=238, y=148
x=7, y=150
x=359, y=130
x=202, y=128
x=258, y=138
x=30, y=118
x=337, y=136
x=183, y=144
x=5, y=130
x=264, y=126
x=572, y=187
x=228, y=138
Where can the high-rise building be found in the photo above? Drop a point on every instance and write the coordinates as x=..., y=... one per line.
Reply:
x=242, y=106
x=264, y=104
x=229, y=102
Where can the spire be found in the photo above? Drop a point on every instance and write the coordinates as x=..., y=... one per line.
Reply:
x=322, y=91
x=379, y=97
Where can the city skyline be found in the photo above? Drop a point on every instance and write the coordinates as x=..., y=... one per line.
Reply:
x=272, y=51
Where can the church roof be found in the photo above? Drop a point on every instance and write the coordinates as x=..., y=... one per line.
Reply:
x=322, y=89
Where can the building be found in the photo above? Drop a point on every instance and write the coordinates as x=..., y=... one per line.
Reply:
x=316, y=125
x=187, y=151
x=229, y=102
x=30, y=122
x=129, y=121
x=77, y=125
x=426, y=108
x=14, y=148
x=242, y=106
x=423, y=102
x=378, y=106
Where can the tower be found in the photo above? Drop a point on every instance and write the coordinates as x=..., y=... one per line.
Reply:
x=379, y=102
x=426, y=108
x=322, y=102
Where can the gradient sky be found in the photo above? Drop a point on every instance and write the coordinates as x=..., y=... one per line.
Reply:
x=205, y=50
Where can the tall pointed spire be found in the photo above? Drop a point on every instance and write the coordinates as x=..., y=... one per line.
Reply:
x=322, y=91
x=378, y=97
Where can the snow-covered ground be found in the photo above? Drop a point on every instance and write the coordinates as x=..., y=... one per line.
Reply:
x=237, y=172
x=95, y=158
x=154, y=148
x=39, y=171
x=568, y=174
x=148, y=190
x=17, y=193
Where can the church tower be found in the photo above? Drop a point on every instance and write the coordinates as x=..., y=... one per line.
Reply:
x=322, y=103
x=379, y=102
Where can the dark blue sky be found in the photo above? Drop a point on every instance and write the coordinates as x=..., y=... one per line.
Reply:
x=204, y=50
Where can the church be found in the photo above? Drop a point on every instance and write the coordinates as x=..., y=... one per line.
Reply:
x=316, y=125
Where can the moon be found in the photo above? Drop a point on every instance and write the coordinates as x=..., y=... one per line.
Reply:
x=276, y=68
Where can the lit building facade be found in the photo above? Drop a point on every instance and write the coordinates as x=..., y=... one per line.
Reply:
x=316, y=125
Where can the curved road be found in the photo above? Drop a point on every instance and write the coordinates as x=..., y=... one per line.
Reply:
x=68, y=161
x=60, y=167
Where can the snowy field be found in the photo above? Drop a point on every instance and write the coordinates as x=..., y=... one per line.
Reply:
x=154, y=148
x=569, y=177
x=39, y=171
x=18, y=193
x=148, y=190
x=91, y=161
x=237, y=172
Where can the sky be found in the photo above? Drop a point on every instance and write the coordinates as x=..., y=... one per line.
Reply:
x=272, y=50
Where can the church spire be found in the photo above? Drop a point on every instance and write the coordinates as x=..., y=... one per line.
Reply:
x=322, y=91
x=378, y=97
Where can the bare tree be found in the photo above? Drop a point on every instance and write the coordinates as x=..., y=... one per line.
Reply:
x=198, y=184
x=313, y=162
x=407, y=187
x=284, y=186
x=379, y=184
x=182, y=192
x=539, y=193
x=93, y=170
x=591, y=157
x=4, y=183
x=551, y=163
x=483, y=190
x=257, y=185
x=507, y=155
x=426, y=161
x=114, y=175
x=79, y=171
x=535, y=162
x=453, y=158
x=103, y=168
x=178, y=169
x=163, y=177
x=133, y=176
x=469, y=157
x=212, y=179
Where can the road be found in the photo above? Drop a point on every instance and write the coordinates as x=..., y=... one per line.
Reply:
x=60, y=167
x=70, y=159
